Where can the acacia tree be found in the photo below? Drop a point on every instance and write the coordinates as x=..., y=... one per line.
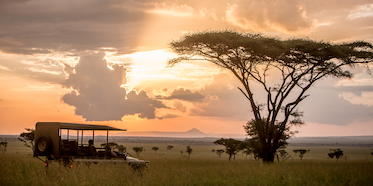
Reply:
x=3, y=146
x=299, y=63
x=138, y=150
x=301, y=152
x=121, y=148
x=155, y=149
x=188, y=150
x=232, y=146
x=28, y=138
x=337, y=153
x=248, y=152
x=284, y=155
x=112, y=145
x=170, y=147
x=219, y=152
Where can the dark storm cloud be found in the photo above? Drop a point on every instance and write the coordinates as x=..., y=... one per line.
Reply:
x=42, y=26
x=45, y=26
x=97, y=94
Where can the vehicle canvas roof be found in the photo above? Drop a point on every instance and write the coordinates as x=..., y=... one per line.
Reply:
x=77, y=126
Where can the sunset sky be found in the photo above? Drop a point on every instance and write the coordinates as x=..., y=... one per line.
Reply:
x=105, y=62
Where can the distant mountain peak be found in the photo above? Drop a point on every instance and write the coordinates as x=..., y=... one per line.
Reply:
x=194, y=131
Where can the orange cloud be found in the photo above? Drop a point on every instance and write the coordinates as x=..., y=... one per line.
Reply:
x=286, y=16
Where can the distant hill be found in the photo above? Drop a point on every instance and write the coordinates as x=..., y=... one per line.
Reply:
x=192, y=133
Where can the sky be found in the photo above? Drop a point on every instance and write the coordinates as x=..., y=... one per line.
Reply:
x=105, y=62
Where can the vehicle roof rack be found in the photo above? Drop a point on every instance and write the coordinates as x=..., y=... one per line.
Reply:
x=78, y=126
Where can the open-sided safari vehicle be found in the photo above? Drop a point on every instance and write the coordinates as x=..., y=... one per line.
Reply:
x=50, y=142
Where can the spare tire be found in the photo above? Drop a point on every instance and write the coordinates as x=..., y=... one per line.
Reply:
x=44, y=146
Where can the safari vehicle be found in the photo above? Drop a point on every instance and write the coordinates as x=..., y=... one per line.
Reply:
x=50, y=142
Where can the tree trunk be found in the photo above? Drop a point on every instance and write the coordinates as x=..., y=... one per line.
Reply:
x=268, y=157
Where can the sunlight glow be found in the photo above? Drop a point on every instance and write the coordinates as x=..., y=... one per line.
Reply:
x=182, y=10
x=143, y=66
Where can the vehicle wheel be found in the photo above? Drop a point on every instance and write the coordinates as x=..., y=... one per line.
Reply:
x=44, y=146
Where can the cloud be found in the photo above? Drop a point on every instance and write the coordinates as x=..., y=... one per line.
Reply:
x=179, y=106
x=97, y=93
x=325, y=105
x=33, y=69
x=30, y=27
x=223, y=100
x=46, y=26
x=168, y=116
x=357, y=90
x=4, y=68
x=174, y=10
x=185, y=95
x=362, y=11
x=267, y=15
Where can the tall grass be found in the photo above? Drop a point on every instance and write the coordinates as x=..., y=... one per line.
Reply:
x=25, y=170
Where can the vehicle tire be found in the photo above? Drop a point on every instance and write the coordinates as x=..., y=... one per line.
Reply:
x=44, y=146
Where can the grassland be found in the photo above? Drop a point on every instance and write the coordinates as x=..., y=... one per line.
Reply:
x=170, y=167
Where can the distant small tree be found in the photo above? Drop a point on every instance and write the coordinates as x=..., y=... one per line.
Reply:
x=248, y=152
x=213, y=150
x=189, y=151
x=181, y=152
x=112, y=145
x=337, y=153
x=232, y=146
x=155, y=149
x=3, y=146
x=284, y=155
x=121, y=149
x=28, y=138
x=170, y=147
x=219, y=152
x=138, y=150
x=301, y=152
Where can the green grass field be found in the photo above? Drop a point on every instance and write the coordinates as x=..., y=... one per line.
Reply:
x=170, y=167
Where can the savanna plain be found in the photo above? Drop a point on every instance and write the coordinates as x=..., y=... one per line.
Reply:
x=202, y=167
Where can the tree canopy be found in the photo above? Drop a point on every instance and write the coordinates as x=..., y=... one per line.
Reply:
x=112, y=145
x=138, y=150
x=155, y=149
x=232, y=146
x=28, y=138
x=170, y=147
x=337, y=153
x=188, y=150
x=297, y=62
